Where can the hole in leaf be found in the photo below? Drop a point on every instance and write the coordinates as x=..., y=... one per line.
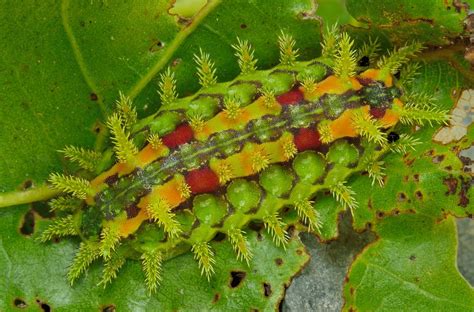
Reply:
x=43, y=305
x=267, y=289
x=109, y=308
x=156, y=45
x=380, y=214
x=28, y=225
x=27, y=184
x=19, y=303
x=236, y=278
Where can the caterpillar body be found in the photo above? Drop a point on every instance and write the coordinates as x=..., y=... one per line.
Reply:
x=234, y=153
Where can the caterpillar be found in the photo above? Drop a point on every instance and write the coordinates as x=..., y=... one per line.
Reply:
x=237, y=152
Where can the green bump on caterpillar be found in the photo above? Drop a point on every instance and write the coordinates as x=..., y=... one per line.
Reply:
x=237, y=152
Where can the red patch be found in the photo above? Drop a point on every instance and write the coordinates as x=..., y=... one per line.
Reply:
x=202, y=180
x=291, y=97
x=377, y=112
x=182, y=134
x=307, y=139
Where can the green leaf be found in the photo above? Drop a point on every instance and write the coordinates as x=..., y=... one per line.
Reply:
x=411, y=266
x=63, y=65
x=32, y=271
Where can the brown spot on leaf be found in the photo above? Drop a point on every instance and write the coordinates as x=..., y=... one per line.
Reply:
x=416, y=177
x=419, y=195
x=93, y=97
x=216, y=298
x=380, y=214
x=401, y=197
x=278, y=261
x=299, y=251
x=243, y=26
x=267, y=290
x=412, y=258
x=352, y=290
x=452, y=184
x=236, y=278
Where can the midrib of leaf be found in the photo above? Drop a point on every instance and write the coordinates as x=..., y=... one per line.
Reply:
x=171, y=49
x=78, y=55
x=44, y=192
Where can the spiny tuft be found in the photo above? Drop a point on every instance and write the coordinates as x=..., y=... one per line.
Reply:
x=88, y=252
x=368, y=127
x=160, y=211
x=205, y=257
x=289, y=148
x=240, y=244
x=124, y=148
x=232, y=107
x=268, y=97
x=167, y=87
x=276, y=228
x=86, y=159
x=127, y=111
x=224, y=172
x=244, y=53
x=206, y=71
x=151, y=266
x=260, y=159
x=78, y=187
x=329, y=43
x=64, y=203
x=344, y=195
x=288, y=53
x=196, y=122
x=392, y=62
x=155, y=141
x=308, y=214
x=60, y=227
x=109, y=240
x=345, y=63
x=111, y=267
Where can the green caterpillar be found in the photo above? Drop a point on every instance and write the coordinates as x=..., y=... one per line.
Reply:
x=234, y=153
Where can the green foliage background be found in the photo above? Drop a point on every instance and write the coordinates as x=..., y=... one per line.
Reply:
x=62, y=65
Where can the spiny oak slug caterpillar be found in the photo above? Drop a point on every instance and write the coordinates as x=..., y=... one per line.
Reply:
x=237, y=152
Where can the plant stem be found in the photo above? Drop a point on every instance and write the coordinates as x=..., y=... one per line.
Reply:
x=24, y=197
x=174, y=45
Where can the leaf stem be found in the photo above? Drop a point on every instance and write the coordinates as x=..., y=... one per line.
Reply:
x=24, y=197
x=174, y=45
